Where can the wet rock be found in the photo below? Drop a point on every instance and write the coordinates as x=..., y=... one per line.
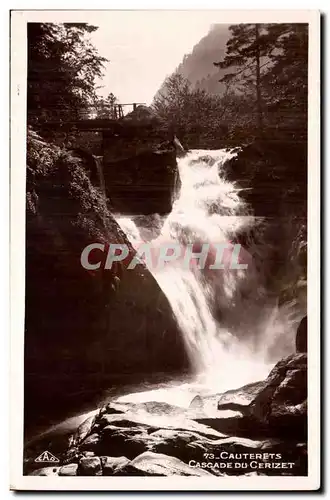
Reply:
x=133, y=437
x=156, y=438
x=168, y=442
x=277, y=407
x=153, y=422
x=237, y=399
x=112, y=408
x=159, y=408
x=110, y=465
x=90, y=466
x=282, y=404
x=68, y=470
x=181, y=444
x=87, y=454
x=232, y=423
x=84, y=429
x=116, y=441
x=139, y=166
x=197, y=403
x=277, y=167
x=156, y=464
x=46, y=471
x=126, y=421
x=91, y=442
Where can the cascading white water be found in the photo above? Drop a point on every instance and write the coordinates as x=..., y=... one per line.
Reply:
x=218, y=311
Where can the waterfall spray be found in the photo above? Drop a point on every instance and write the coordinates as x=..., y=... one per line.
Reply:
x=217, y=310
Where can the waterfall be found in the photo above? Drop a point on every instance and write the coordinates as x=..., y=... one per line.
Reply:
x=228, y=322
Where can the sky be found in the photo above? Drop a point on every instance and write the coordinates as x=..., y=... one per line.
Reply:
x=144, y=47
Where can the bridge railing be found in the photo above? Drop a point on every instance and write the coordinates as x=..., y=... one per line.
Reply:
x=111, y=111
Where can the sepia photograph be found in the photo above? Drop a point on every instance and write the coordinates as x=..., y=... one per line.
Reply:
x=165, y=175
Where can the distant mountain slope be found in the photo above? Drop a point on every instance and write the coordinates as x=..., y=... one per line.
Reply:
x=198, y=66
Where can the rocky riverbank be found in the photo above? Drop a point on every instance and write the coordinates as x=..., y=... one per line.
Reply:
x=258, y=429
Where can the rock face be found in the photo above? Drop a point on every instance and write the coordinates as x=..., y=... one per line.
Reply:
x=279, y=404
x=273, y=176
x=136, y=160
x=139, y=165
x=276, y=173
x=282, y=403
x=89, y=466
x=264, y=432
x=84, y=330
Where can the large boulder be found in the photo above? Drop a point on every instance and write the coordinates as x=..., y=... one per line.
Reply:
x=278, y=406
x=89, y=466
x=111, y=465
x=275, y=171
x=273, y=177
x=282, y=403
x=157, y=464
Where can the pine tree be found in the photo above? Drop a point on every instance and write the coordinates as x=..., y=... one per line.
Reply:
x=286, y=83
x=62, y=68
x=105, y=107
x=246, y=48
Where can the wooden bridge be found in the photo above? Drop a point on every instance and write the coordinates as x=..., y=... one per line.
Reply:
x=118, y=110
x=113, y=111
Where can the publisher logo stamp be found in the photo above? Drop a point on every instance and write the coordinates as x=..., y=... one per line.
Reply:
x=46, y=457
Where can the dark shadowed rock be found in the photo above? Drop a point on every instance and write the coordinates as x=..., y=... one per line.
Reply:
x=79, y=337
x=117, y=441
x=197, y=402
x=82, y=431
x=90, y=443
x=159, y=408
x=302, y=336
x=282, y=404
x=134, y=419
x=232, y=423
x=87, y=454
x=89, y=466
x=276, y=406
x=139, y=164
x=276, y=167
x=110, y=465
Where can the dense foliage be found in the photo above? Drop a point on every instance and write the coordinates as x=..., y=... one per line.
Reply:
x=265, y=90
x=195, y=116
x=62, y=69
x=57, y=178
x=105, y=107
